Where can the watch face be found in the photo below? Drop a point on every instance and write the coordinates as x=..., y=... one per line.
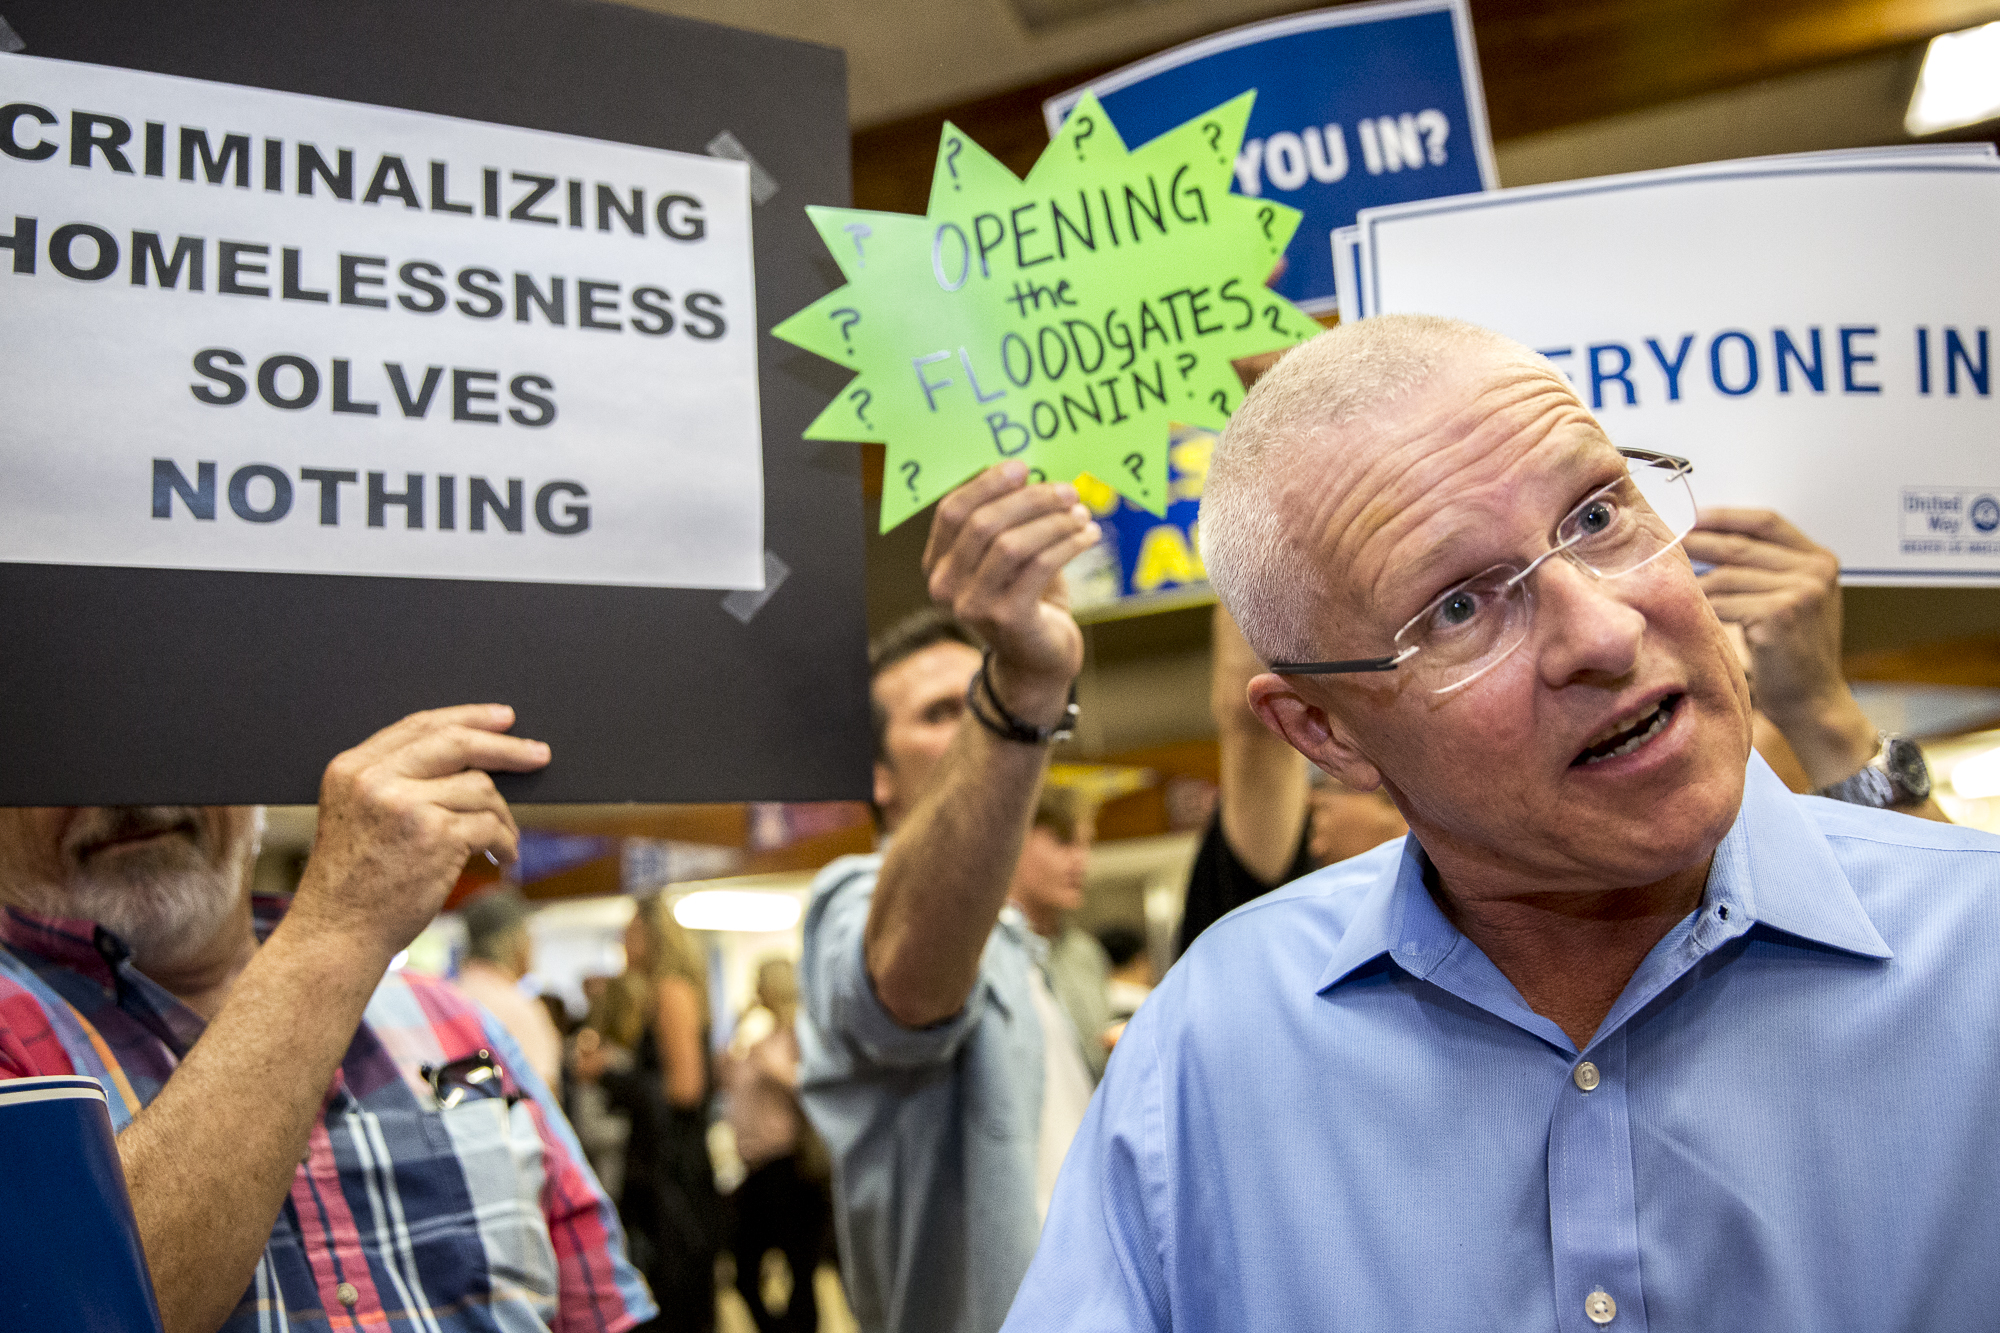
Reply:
x=1906, y=765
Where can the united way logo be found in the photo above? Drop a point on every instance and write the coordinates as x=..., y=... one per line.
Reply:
x=1985, y=513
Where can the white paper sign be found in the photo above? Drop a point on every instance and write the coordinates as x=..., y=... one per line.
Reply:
x=248, y=330
x=1814, y=334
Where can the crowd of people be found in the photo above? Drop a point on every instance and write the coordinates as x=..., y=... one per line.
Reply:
x=1514, y=986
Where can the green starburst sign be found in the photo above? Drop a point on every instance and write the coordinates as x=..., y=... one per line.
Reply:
x=1064, y=320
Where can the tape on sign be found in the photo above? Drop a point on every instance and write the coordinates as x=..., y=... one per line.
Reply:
x=10, y=41
x=745, y=603
x=762, y=183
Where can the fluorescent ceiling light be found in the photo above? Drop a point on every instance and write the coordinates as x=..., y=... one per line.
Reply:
x=737, y=909
x=1960, y=82
x=1977, y=777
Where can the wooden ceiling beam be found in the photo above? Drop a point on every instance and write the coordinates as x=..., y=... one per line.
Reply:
x=1549, y=63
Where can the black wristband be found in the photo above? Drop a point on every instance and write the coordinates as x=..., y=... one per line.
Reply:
x=1003, y=723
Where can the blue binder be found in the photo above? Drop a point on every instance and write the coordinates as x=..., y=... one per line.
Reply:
x=70, y=1260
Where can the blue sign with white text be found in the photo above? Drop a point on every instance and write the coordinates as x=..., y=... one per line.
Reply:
x=1356, y=107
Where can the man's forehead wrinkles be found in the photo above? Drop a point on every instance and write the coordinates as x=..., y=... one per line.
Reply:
x=1363, y=491
x=1439, y=458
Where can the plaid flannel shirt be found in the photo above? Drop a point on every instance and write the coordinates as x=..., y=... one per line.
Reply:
x=402, y=1216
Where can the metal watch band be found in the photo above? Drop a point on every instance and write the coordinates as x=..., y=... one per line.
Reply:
x=1003, y=723
x=1897, y=775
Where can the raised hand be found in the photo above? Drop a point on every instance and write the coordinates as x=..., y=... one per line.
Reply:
x=1783, y=589
x=995, y=556
x=399, y=815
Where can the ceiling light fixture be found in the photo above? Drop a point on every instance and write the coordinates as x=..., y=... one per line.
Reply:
x=1960, y=82
x=748, y=911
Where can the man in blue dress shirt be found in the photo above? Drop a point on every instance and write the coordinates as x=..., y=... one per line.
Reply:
x=1625, y=1035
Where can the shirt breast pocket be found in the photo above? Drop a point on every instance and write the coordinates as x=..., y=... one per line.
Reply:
x=500, y=1156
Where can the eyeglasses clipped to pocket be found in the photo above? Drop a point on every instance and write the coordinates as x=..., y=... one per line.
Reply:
x=468, y=1078
x=493, y=1137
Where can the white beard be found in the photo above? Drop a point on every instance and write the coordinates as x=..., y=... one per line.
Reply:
x=166, y=904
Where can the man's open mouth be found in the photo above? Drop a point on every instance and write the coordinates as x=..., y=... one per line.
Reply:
x=1624, y=740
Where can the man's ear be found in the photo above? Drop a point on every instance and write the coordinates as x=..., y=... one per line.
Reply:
x=1312, y=731
x=885, y=786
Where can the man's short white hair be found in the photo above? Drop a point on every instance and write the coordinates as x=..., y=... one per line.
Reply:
x=1264, y=573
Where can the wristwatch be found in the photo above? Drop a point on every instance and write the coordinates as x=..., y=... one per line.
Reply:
x=1896, y=776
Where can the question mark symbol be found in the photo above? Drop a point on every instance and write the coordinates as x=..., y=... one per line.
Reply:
x=1221, y=401
x=953, y=147
x=1133, y=462
x=1214, y=133
x=910, y=469
x=1267, y=215
x=853, y=318
x=1185, y=362
x=860, y=231
x=1435, y=129
x=1085, y=127
x=861, y=408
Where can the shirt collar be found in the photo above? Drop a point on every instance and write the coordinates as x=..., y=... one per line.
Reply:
x=1015, y=923
x=1773, y=869
x=1777, y=867
x=89, y=949
x=1398, y=920
x=70, y=942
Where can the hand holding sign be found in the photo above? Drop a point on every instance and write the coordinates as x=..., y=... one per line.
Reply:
x=1063, y=320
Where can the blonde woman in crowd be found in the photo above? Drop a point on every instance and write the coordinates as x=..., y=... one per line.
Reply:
x=658, y=1010
x=784, y=1204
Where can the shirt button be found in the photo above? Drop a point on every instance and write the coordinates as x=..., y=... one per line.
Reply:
x=349, y=1297
x=1600, y=1307
x=1586, y=1078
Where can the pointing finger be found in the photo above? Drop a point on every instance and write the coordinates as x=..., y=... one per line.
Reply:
x=483, y=717
x=439, y=753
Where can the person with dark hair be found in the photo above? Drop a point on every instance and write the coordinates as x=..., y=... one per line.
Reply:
x=935, y=1060
x=1121, y=944
x=1132, y=977
x=498, y=953
x=914, y=668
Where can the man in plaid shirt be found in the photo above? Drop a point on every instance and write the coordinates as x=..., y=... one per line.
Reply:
x=309, y=1143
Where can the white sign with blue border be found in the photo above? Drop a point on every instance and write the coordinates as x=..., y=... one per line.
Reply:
x=1815, y=333
x=1359, y=106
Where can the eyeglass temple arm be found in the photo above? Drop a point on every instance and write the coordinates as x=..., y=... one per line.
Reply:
x=1337, y=668
x=1679, y=464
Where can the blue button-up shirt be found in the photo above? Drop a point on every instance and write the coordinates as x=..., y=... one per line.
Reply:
x=1336, y=1113
x=933, y=1132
